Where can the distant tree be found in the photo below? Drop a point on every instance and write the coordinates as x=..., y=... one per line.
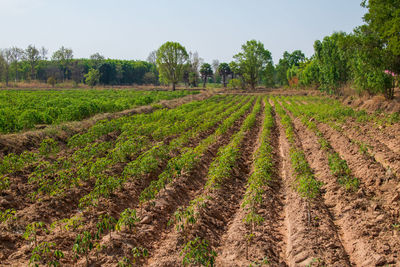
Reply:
x=383, y=18
x=43, y=53
x=215, y=65
x=32, y=55
x=224, y=70
x=92, y=78
x=195, y=61
x=152, y=58
x=171, y=58
x=97, y=60
x=285, y=63
x=77, y=71
x=16, y=56
x=150, y=78
x=6, y=55
x=63, y=57
x=269, y=75
x=252, y=61
x=206, y=72
x=2, y=65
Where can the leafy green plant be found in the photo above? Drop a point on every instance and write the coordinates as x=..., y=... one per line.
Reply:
x=31, y=231
x=198, y=252
x=4, y=183
x=8, y=217
x=128, y=218
x=48, y=147
x=83, y=245
x=105, y=223
x=139, y=253
x=44, y=253
x=341, y=170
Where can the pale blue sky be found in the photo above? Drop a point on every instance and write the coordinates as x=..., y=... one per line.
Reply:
x=214, y=28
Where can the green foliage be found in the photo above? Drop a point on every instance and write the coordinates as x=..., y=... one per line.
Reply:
x=8, y=217
x=105, y=223
x=224, y=70
x=383, y=17
x=21, y=109
x=31, y=231
x=252, y=62
x=341, y=170
x=44, y=253
x=198, y=252
x=49, y=147
x=332, y=62
x=52, y=81
x=171, y=58
x=205, y=71
x=127, y=218
x=83, y=245
x=92, y=78
x=234, y=84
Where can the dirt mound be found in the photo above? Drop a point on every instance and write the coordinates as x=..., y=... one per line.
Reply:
x=374, y=103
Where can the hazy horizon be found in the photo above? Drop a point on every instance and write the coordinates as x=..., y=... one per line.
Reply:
x=132, y=29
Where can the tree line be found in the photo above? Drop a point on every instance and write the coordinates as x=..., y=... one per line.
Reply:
x=368, y=59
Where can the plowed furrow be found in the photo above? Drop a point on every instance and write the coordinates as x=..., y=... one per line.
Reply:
x=379, y=185
x=308, y=242
x=353, y=214
x=219, y=213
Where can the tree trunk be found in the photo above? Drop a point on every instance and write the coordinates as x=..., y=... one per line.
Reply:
x=173, y=86
x=224, y=80
x=204, y=82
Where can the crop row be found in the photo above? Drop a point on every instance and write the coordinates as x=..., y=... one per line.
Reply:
x=338, y=166
x=262, y=174
x=219, y=170
x=94, y=161
x=24, y=109
x=86, y=241
x=305, y=183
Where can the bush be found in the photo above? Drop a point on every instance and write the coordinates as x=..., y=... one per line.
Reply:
x=234, y=84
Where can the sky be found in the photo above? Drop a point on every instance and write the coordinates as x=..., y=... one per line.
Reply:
x=216, y=29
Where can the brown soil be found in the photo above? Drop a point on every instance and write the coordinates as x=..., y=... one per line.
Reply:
x=339, y=228
x=374, y=103
x=364, y=229
x=314, y=242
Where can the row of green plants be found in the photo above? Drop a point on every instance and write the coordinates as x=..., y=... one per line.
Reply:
x=93, y=161
x=150, y=160
x=337, y=165
x=261, y=177
x=190, y=156
x=21, y=110
x=305, y=183
x=46, y=253
x=334, y=109
x=197, y=250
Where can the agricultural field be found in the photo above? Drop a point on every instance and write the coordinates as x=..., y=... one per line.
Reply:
x=230, y=180
x=23, y=110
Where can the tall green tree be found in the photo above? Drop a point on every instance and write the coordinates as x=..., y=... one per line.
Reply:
x=32, y=55
x=287, y=61
x=171, y=58
x=16, y=56
x=224, y=70
x=252, y=61
x=206, y=72
x=92, y=77
x=333, y=62
x=7, y=60
x=63, y=57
